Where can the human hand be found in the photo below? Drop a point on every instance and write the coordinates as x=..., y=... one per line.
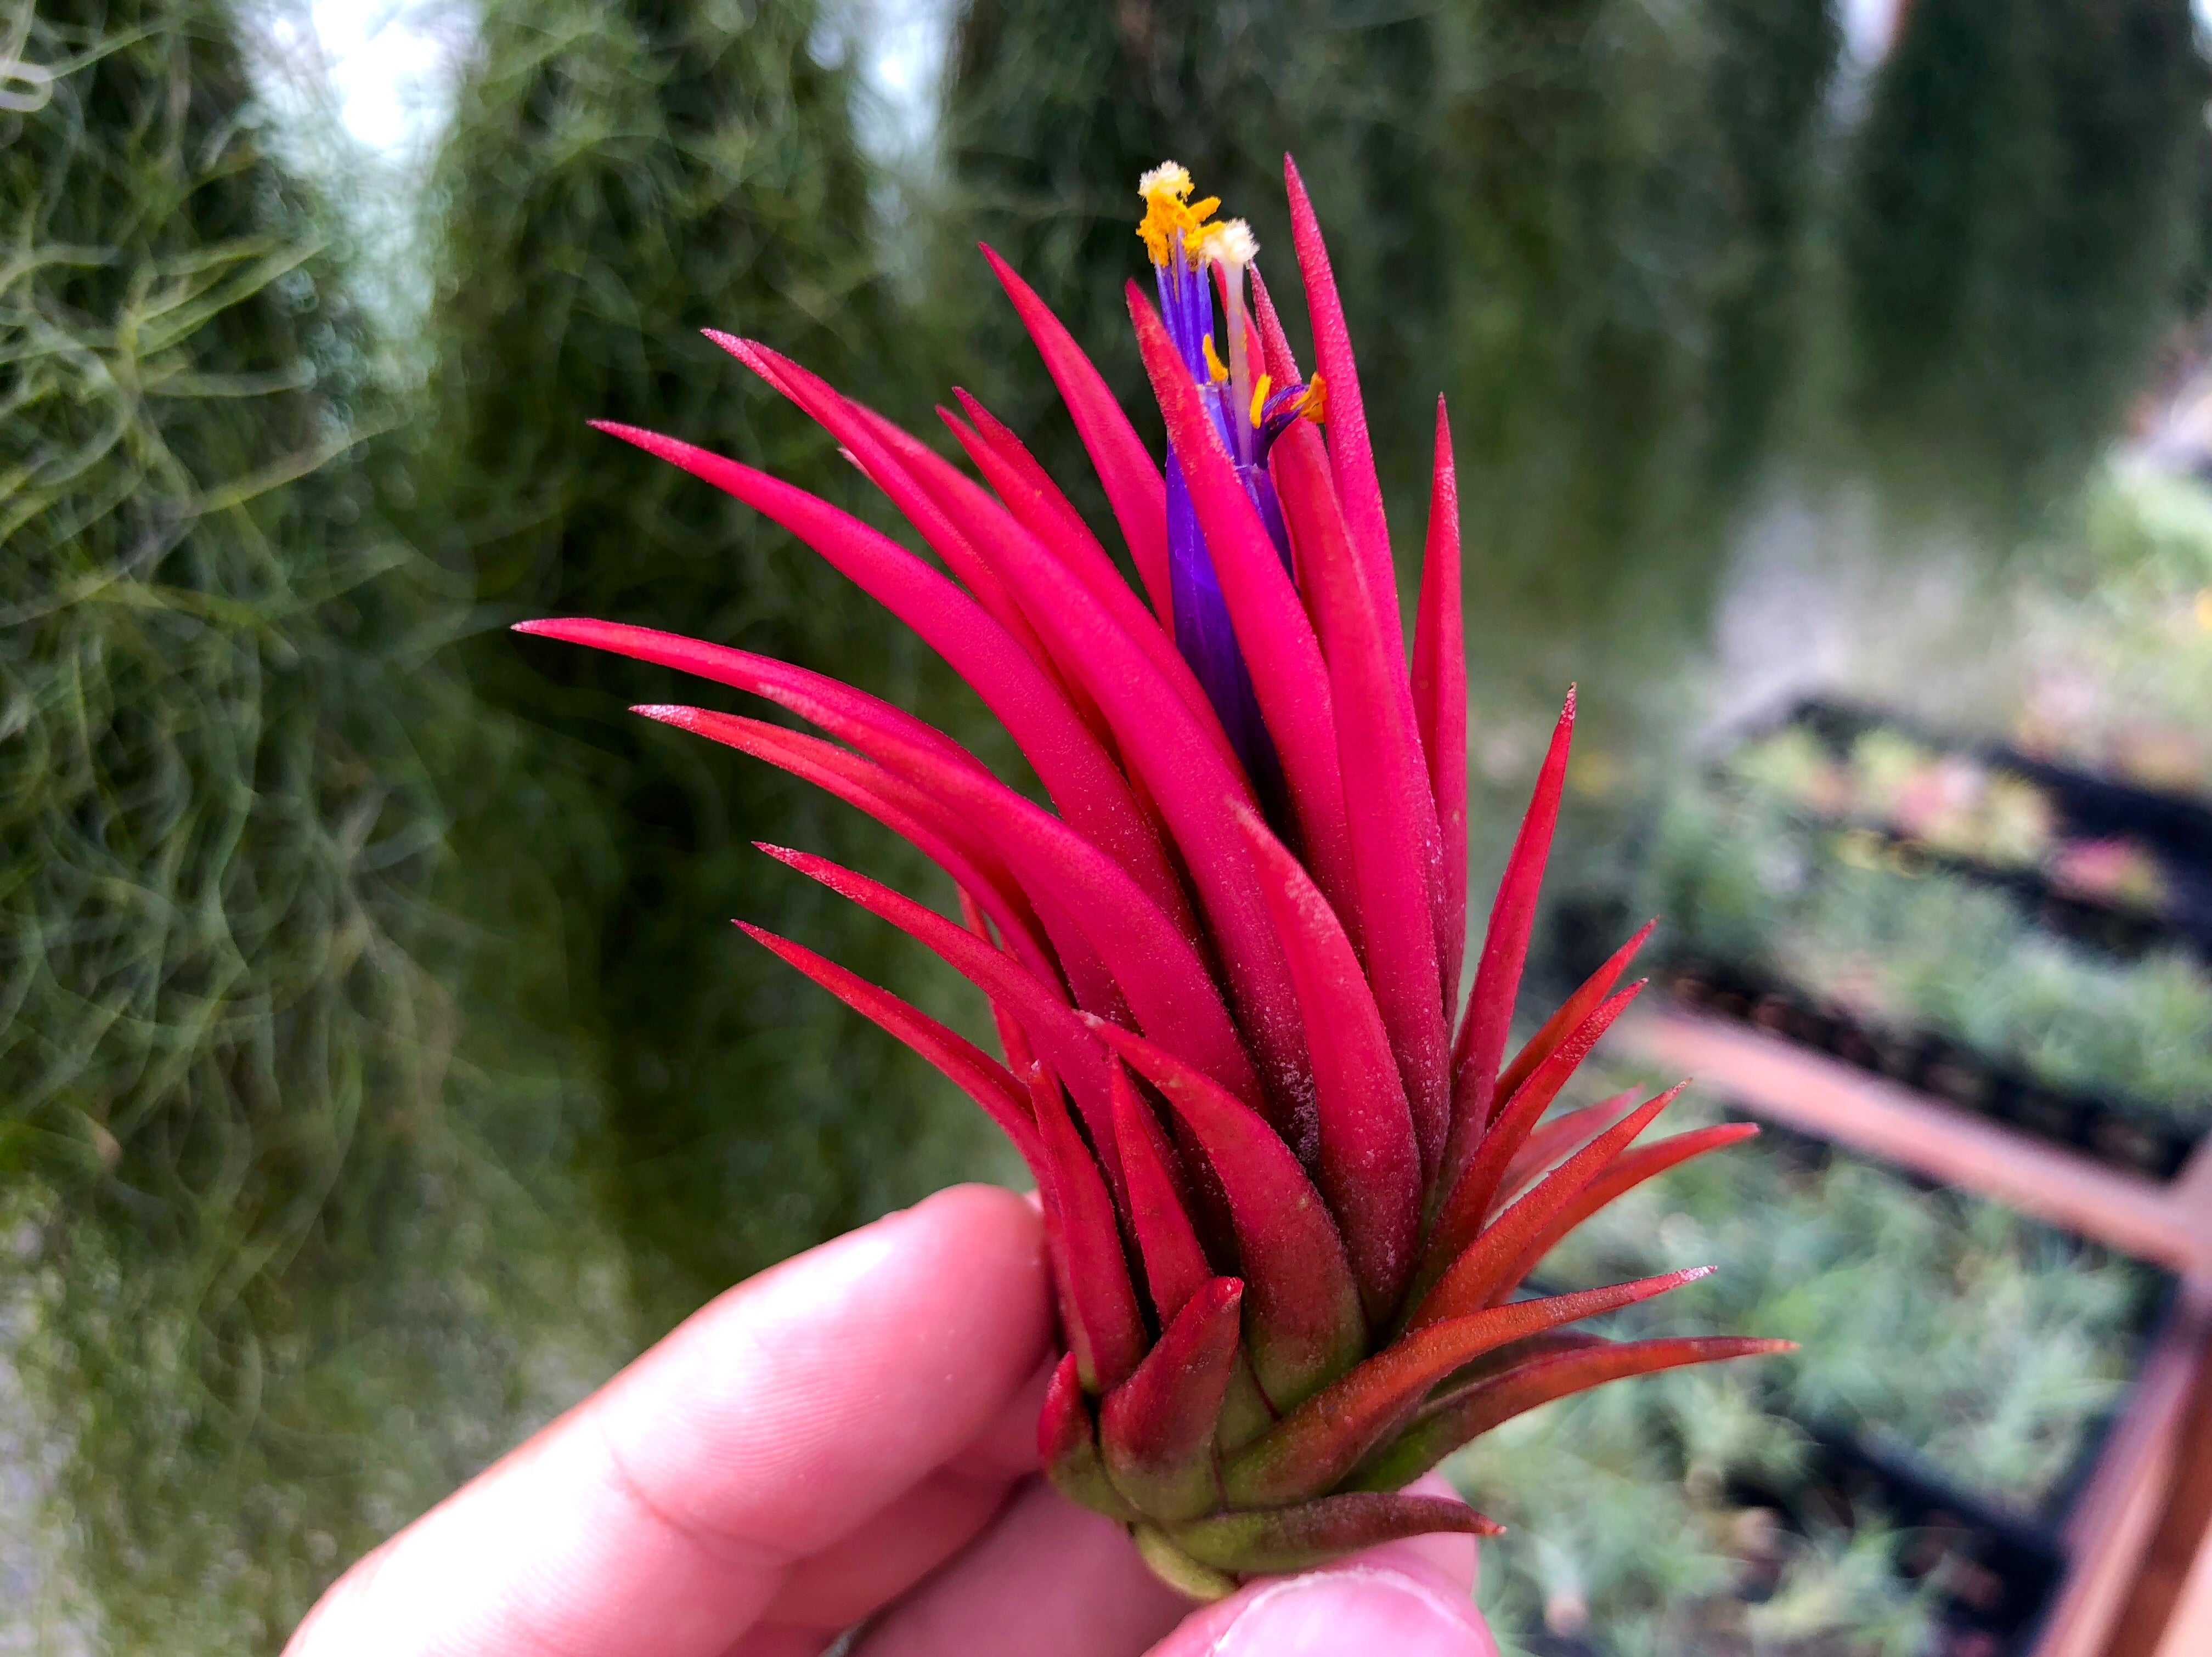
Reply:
x=847, y=1439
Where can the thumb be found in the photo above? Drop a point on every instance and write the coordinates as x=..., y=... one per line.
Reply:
x=1413, y=1599
x=1398, y=1608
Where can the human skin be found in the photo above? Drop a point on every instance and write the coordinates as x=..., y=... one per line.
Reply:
x=848, y=1439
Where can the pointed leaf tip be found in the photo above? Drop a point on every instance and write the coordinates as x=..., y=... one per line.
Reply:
x=1462, y=1214
x=1067, y=1445
x=1136, y=490
x=1460, y=1418
x=1351, y=457
x=1063, y=1422
x=1304, y=1324
x=1563, y=1023
x=1482, y=1267
x=1482, y=1045
x=1632, y=1169
x=1500, y=1397
x=1167, y=1241
x=1329, y=1434
x=1157, y=1427
x=1439, y=686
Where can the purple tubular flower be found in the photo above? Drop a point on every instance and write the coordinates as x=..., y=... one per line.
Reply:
x=1292, y=1188
x=1187, y=254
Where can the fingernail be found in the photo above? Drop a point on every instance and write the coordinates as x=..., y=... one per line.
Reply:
x=1363, y=1609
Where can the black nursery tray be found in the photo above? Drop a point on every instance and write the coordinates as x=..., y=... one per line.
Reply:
x=1993, y=1566
x=2175, y=829
x=1995, y=1569
x=1994, y=1572
x=2115, y=1131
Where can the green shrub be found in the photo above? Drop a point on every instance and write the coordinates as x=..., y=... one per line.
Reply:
x=273, y=1274
x=618, y=177
x=2019, y=218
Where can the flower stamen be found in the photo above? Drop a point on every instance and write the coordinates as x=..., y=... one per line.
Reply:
x=1174, y=224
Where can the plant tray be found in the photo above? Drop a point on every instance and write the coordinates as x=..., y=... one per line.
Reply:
x=2171, y=834
x=2115, y=1131
x=1995, y=1566
x=1995, y=1571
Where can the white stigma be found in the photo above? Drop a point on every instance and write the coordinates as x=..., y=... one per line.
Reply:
x=1230, y=243
x=1169, y=178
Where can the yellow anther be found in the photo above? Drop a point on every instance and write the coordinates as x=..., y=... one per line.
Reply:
x=1170, y=212
x=1215, y=369
x=1260, y=396
x=1314, y=405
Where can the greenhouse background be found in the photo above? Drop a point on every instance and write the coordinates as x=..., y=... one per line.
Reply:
x=1832, y=388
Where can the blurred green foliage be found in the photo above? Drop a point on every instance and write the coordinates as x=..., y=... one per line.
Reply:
x=618, y=177
x=2109, y=657
x=1744, y=879
x=2023, y=194
x=378, y=1068
x=259, y=1197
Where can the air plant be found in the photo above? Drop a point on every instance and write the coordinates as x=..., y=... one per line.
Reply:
x=1288, y=1210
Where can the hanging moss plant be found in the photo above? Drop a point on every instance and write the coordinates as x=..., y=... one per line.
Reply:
x=616, y=178
x=231, y=1183
x=2018, y=215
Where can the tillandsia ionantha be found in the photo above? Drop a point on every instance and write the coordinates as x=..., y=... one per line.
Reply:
x=1289, y=1210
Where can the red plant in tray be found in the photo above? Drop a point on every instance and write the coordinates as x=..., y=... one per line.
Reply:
x=1289, y=1207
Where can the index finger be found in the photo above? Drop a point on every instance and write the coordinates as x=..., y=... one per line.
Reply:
x=662, y=1513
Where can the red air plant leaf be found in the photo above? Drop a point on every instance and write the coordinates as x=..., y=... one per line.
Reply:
x=1505, y=951
x=1391, y=817
x=1329, y=1434
x=1499, y=1398
x=1314, y=1533
x=1365, y=1158
x=1291, y=1184
x=1157, y=1427
x=1439, y=685
x=1305, y=1327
